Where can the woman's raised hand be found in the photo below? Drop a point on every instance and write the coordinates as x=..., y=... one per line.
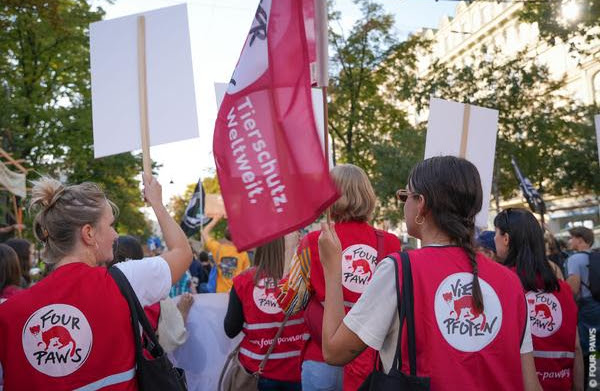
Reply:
x=330, y=248
x=152, y=190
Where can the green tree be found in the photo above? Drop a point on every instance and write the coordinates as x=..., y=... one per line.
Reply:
x=45, y=100
x=356, y=106
x=550, y=17
x=550, y=134
x=373, y=74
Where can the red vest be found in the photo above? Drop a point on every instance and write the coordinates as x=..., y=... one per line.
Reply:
x=458, y=347
x=359, y=256
x=70, y=330
x=262, y=319
x=153, y=314
x=553, y=318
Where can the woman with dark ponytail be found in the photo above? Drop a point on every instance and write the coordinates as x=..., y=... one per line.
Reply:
x=552, y=310
x=471, y=327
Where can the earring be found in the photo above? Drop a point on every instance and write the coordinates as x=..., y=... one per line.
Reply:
x=419, y=222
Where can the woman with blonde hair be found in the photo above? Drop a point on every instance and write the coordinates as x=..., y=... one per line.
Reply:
x=73, y=330
x=362, y=248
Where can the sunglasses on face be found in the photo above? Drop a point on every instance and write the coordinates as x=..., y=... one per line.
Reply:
x=403, y=194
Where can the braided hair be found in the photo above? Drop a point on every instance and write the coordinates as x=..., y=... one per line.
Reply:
x=451, y=188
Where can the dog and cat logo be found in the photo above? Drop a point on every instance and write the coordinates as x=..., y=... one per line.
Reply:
x=358, y=265
x=57, y=339
x=463, y=326
x=265, y=296
x=545, y=313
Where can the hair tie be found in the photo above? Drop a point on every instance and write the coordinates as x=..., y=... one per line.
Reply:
x=57, y=195
x=45, y=235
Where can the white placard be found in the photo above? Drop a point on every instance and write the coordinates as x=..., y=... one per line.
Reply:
x=317, y=103
x=204, y=352
x=597, y=121
x=170, y=81
x=220, y=90
x=445, y=136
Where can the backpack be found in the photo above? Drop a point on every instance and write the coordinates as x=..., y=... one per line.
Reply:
x=594, y=275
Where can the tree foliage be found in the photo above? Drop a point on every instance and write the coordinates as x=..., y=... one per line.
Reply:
x=358, y=110
x=580, y=32
x=550, y=134
x=377, y=84
x=45, y=101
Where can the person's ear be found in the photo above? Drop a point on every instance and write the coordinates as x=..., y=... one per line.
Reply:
x=87, y=235
x=506, y=239
x=421, y=209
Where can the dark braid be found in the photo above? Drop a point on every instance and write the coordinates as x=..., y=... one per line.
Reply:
x=451, y=187
x=467, y=245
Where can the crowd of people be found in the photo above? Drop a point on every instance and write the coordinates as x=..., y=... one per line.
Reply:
x=333, y=310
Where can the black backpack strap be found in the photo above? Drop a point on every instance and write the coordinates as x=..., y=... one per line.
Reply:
x=526, y=320
x=409, y=301
x=397, y=363
x=405, y=312
x=138, y=316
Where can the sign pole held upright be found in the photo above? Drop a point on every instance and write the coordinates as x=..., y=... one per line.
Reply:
x=142, y=90
x=322, y=41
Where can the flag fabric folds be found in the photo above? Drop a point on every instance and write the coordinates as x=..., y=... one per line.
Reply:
x=194, y=218
x=270, y=164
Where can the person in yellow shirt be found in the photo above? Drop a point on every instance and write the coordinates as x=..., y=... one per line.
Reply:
x=228, y=260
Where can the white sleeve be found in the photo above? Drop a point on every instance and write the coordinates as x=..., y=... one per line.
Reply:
x=373, y=314
x=527, y=344
x=149, y=277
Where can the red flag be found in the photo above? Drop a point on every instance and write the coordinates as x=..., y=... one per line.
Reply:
x=269, y=160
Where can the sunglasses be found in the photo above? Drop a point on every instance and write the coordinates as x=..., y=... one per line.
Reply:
x=403, y=194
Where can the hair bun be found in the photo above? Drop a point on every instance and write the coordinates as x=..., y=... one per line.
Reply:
x=45, y=192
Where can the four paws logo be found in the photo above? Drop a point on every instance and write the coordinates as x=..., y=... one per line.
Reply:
x=57, y=339
x=265, y=296
x=545, y=313
x=462, y=325
x=358, y=265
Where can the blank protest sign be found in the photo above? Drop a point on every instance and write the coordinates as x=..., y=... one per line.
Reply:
x=445, y=137
x=170, y=81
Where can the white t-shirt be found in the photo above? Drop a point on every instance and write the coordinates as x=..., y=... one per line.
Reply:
x=149, y=277
x=374, y=317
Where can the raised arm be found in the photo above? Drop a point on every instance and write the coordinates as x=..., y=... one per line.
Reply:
x=209, y=227
x=179, y=253
x=340, y=345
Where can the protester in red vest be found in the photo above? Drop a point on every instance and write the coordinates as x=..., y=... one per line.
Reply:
x=10, y=272
x=552, y=310
x=73, y=330
x=470, y=312
x=363, y=247
x=253, y=309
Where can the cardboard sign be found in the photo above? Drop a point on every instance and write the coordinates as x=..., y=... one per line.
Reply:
x=466, y=131
x=115, y=88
